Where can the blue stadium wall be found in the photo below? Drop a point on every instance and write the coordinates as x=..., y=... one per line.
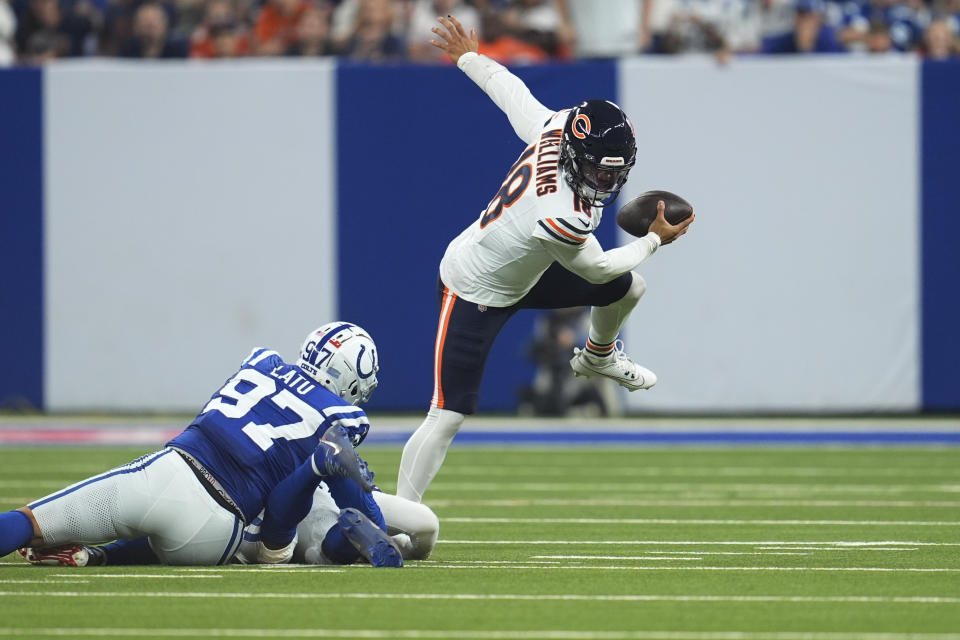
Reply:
x=359, y=178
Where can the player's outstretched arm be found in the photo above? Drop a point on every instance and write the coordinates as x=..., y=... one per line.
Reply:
x=526, y=114
x=592, y=263
x=665, y=231
x=454, y=40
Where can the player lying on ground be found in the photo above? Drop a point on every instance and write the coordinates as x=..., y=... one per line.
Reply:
x=271, y=424
x=319, y=538
x=533, y=248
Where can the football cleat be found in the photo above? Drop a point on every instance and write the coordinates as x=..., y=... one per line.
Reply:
x=73, y=555
x=617, y=366
x=336, y=457
x=371, y=541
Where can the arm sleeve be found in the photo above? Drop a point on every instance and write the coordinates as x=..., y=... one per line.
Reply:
x=593, y=264
x=526, y=114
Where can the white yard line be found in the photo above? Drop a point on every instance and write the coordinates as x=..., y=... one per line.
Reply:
x=44, y=582
x=577, y=567
x=784, y=523
x=279, y=568
x=938, y=473
x=679, y=553
x=828, y=548
x=741, y=543
x=946, y=600
x=643, y=502
x=137, y=576
x=661, y=487
x=431, y=634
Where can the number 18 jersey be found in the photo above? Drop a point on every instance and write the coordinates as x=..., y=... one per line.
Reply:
x=261, y=425
x=500, y=257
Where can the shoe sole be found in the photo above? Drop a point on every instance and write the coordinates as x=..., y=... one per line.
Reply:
x=581, y=371
x=372, y=543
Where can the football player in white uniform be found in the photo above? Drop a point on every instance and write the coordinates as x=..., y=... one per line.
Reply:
x=533, y=248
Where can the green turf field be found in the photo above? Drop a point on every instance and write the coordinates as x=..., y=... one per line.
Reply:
x=565, y=543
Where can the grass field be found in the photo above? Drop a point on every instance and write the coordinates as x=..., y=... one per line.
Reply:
x=557, y=542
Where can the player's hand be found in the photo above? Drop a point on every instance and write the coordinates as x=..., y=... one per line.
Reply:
x=454, y=40
x=668, y=232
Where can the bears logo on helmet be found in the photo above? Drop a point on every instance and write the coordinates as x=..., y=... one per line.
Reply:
x=581, y=126
x=597, y=151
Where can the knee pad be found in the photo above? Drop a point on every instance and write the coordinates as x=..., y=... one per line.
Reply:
x=447, y=422
x=637, y=288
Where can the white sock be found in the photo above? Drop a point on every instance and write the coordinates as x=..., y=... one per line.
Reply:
x=606, y=322
x=424, y=452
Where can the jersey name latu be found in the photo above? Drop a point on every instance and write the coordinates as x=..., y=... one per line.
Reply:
x=262, y=424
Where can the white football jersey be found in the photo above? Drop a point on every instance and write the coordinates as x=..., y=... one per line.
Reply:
x=498, y=258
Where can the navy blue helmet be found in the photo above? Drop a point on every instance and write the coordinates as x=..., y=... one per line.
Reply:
x=598, y=150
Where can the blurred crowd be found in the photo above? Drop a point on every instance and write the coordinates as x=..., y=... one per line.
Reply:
x=512, y=31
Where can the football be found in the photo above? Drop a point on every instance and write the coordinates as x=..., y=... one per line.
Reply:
x=636, y=216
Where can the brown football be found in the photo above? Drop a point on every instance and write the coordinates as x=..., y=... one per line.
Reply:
x=636, y=216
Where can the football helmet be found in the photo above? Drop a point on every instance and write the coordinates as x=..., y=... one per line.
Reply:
x=597, y=151
x=343, y=358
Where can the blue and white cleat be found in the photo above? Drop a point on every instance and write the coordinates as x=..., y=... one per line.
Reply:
x=335, y=456
x=371, y=541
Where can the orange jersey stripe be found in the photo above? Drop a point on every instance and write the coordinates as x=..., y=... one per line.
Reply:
x=445, y=311
x=561, y=231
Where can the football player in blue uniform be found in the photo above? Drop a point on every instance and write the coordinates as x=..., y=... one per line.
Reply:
x=263, y=443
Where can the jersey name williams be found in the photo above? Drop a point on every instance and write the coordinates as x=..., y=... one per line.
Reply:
x=548, y=161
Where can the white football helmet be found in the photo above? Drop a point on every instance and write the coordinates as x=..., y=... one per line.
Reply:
x=343, y=358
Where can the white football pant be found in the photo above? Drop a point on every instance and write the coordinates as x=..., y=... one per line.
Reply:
x=157, y=496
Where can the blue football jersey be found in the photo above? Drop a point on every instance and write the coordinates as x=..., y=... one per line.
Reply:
x=261, y=425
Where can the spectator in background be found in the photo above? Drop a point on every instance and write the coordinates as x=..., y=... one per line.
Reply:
x=68, y=29
x=810, y=32
x=117, y=25
x=877, y=39
x=373, y=39
x=343, y=20
x=554, y=390
x=693, y=26
x=221, y=34
x=861, y=19
x=497, y=43
x=8, y=28
x=313, y=35
x=276, y=28
x=424, y=19
x=41, y=48
x=940, y=41
x=618, y=28
x=151, y=36
x=750, y=22
x=190, y=15
x=542, y=24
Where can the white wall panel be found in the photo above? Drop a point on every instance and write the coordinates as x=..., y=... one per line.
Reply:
x=189, y=218
x=797, y=287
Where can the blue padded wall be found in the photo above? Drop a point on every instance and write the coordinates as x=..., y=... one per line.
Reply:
x=21, y=238
x=940, y=220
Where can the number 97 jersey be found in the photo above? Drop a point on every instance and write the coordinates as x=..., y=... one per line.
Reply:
x=261, y=425
x=501, y=256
